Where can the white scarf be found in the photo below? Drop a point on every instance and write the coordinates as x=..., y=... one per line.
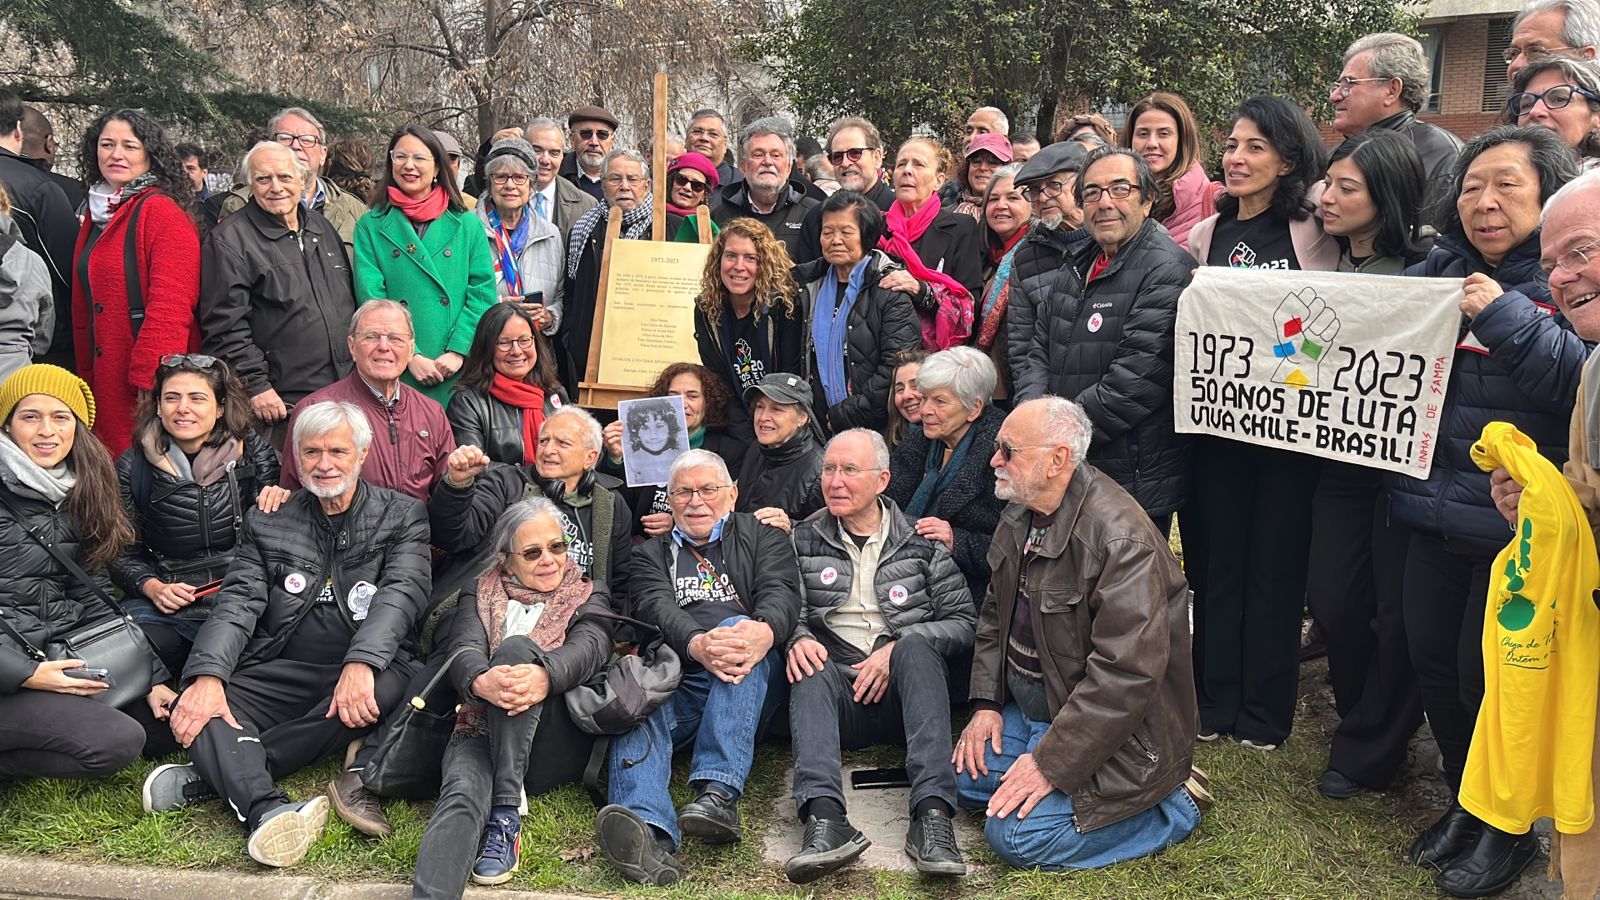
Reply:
x=51, y=485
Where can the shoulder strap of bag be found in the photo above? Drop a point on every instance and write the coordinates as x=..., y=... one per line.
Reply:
x=596, y=765
x=142, y=482
x=27, y=646
x=130, y=266
x=420, y=701
x=66, y=562
x=238, y=508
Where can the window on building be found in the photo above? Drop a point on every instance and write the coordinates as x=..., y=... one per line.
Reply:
x=1496, y=88
x=1433, y=50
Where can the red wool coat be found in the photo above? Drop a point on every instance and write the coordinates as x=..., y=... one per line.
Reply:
x=116, y=366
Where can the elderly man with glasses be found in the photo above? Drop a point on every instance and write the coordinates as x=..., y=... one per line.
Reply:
x=1547, y=29
x=300, y=131
x=1383, y=85
x=592, y=132
x=725, y=592
x=886, y=609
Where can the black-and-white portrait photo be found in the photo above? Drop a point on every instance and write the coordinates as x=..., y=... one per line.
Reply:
x=654, y=433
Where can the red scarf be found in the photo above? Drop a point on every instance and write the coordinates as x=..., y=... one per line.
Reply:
x=995, y=255
x=424, y=210
x=530, y=399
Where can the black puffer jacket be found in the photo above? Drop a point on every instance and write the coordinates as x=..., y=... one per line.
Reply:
x=383, y=542
x=788, y=476
x=1042, y=252
x=919, y=588
x=1107, y=345
x=180, y=520
x=882, y=323
x=39, y=599
x=968, y=504
x=1529, y=378
x=584, y=652
x=477, y=418
x=784, y=221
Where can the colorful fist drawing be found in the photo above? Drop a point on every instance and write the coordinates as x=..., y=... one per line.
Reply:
x=1304, y=327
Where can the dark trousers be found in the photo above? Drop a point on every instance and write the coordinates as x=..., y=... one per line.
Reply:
x=915, y=710
x=1445, y=589
x=1353, y=586
x=491, y=769
x=281, y=706
x=48, y=735
x=1248, y=528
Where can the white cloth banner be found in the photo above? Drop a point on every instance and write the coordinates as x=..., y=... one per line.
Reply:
x=1342, y=366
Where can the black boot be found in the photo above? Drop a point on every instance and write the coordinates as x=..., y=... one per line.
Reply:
x=1454, y=834
x=713, y=816
x=1490, y=867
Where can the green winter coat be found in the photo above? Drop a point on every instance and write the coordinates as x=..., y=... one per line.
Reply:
x=446, y=278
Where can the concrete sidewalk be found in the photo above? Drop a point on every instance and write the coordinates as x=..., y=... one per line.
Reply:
x=33, y=877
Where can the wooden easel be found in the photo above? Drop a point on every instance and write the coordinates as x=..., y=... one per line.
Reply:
x=591, y=393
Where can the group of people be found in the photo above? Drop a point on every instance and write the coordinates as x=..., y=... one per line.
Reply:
x=330, y=452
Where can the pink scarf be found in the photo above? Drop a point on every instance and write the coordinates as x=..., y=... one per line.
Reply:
x=425, y=209
x=953, y=321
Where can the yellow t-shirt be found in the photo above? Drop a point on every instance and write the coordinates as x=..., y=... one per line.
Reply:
x=1533, y=745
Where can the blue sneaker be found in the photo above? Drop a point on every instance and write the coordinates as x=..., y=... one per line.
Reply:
x=502, y=847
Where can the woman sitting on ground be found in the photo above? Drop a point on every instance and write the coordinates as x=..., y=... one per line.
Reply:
x=192, y=473
x=529, y=629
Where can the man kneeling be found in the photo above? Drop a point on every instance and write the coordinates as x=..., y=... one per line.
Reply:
x=1081, y=745
x=724, y=590
x=311, y=642
x=884, y=609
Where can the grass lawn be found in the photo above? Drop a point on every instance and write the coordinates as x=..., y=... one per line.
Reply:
x=1270, y=835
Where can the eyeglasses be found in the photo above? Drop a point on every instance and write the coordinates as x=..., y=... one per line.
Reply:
x=1534, y=54
x=1573, y=260
x=292, y=140
x=707, y=493
x=1007, y=451
x=1554, y=98
x=853, y=154
x=195, y=360
x=594, y=134
x=373, y=338
x=1049, y=189
x=829, y=470
x=504, y=345
x=1119, y=190
x=681, y=180
x=532, y=554
x=516, y=178
x=1344, y=86
x=631, y=180
x=421, y=159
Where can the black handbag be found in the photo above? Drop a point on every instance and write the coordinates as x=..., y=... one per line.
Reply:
x=409, y=761
x=115, y=644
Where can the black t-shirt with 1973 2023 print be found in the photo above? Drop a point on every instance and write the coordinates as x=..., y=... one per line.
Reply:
x=1259, y=242
x=702, y=585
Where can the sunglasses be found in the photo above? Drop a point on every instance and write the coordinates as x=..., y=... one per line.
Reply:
x=192, y=360
x=853, y=154
x=1007, y=451
x=532, y=554
x=594, y=134
x=680, y=180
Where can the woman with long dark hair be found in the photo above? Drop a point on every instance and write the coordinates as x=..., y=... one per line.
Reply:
x=57, y=487
x=1371, y=205
x=1247, y=524
x=421, y=246
x=193, y=472
x=507, y=387
x=124, y=322
x=1161, y=128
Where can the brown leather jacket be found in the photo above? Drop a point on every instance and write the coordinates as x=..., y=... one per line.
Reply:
x=1111, y=616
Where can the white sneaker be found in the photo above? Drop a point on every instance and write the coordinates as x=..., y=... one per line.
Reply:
x=1258, y=745
x=286, y=834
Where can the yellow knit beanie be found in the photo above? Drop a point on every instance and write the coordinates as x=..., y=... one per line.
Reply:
x=52, y=381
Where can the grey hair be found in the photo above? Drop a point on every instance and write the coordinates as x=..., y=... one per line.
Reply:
x=1396, y=55
x=507, y=161
x=272, y=123
x=1000, y=121
x=1584, y=182
x=1065, y=423
x=377, y=304
x=517, y=515
x=868, y=131
x=880, y=447
x=247, y=174
x=624, y=153
x=817, y=168
x=320, y=418
x=1582, y=26
x=708, y=114
x=762, y=127
x=697, y=459
x=542, y=122
x=1009, y=170
x=594, y=437
x=965, y=371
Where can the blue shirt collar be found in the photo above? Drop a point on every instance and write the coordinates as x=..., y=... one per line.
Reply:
x=682, y=539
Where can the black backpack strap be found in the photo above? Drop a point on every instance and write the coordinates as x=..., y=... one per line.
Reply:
x=142, y=480
x=592, y=770
x=130, y=266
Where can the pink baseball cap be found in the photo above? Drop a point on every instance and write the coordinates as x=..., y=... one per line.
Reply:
x=998, y=144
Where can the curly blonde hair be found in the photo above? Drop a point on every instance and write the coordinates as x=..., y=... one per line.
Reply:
x=774, y=283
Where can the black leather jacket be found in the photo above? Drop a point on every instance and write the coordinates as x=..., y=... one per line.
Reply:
x=788, y=476
x=494, y=427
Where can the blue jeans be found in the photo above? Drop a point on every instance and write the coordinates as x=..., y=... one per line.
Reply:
x=717, y=718
x=144, y=612
x=1049, y=838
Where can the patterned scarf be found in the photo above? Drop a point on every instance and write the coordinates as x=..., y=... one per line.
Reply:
x=997, y=298
x=635, y=225
x=104, y=200
x=508, y=247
